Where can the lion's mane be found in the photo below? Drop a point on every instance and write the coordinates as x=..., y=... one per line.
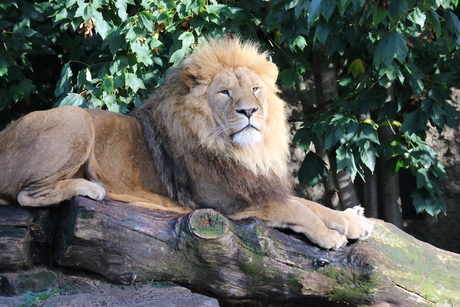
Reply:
x=181, y=136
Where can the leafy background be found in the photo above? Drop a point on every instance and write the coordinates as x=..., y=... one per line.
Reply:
x=382, y=74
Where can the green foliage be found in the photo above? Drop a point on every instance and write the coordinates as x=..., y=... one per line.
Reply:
x=111, y=53
x=32, y=299
x=399, y=62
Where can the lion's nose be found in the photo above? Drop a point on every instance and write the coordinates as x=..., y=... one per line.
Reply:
x=247, y=112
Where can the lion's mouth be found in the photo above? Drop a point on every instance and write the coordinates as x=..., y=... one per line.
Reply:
x=247, y=127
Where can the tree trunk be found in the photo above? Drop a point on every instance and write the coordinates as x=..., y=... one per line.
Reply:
x=326, y=91
x=391, y=199
x=244, y=260
x=332, y=197
x=370, y=192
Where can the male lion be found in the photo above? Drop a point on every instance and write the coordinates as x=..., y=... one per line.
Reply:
x=214, y=135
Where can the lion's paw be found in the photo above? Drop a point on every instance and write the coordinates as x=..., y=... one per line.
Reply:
x=332, y=240
x=93, y=190
x=355, y=211
x=359, y=227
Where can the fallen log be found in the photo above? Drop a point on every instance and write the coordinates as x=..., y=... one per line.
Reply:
x=246, y=260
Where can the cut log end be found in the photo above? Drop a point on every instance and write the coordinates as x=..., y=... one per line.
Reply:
x=207, y=224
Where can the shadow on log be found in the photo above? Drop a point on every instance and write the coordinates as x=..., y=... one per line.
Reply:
x=245, y=260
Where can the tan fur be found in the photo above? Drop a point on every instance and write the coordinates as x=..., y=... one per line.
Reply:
x=214, y=135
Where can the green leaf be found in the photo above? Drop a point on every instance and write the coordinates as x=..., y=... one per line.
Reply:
x=82, y=11
x=452, y=22
x=122, y=6
x=118, y=65
x=304, y=138
x=434, y=22
x=425, y=201
x=393, y=72
x=333, y=136
x=368, y=132
x=177, y=56
x=301, y=9
x=395, y=164
x=214, y=8
x=114, y=40
x=415, y=121
x=143, y=54
x=368, y=155
x=423, y=155
x=322, y=32
x=146, y=20
x=378, y=15
x=187, y=39
x=392, y=45
x=424, y=181
x=289, y=77
x=320, y=7
x=73, y=99
x=23, y=89
x=346, y=161
x=3, y=70
x=342, y=6
x=134, y=82
x=108, y=84
x=417, y=17
x=102, y=27
x=61, y=15
x=327, y=8
x=389, y=110
x=63, y=86
x=300, y=42
x=314, y=11
x=356, y=67
x=396, y=9
x=311, y=169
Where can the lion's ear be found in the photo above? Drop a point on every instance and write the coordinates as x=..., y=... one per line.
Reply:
x=190, y=75
x=271, y=71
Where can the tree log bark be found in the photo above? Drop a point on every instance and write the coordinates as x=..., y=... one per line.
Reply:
x=210, y=254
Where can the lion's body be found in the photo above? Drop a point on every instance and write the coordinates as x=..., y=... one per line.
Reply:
x=214, y=135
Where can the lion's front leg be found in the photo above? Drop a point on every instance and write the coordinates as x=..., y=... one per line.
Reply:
x=294, y=215
x=352, y=223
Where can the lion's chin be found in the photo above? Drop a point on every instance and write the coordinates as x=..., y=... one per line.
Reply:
x=247, y=137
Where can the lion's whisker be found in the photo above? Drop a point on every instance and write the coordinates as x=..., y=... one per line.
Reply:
x=214, y=134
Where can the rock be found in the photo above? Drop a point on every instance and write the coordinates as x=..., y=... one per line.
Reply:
x=146, y=295
x=19, y=282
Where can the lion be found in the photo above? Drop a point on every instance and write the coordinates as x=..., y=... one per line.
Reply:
x=214, y=135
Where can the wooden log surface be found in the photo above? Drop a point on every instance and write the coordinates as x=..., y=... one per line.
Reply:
x=210, y=254
x=15, y=238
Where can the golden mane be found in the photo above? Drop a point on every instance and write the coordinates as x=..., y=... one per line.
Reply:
x=268, y=158
x=184, y=121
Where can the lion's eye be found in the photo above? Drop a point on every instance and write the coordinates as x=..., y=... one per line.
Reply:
x=225, y=92
x=255, y=89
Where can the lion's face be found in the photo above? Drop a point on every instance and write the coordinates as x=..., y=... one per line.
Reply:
x=238, y=103
x=229, y=106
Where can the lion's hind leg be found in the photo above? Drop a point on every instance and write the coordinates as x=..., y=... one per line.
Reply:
x=60, y=191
